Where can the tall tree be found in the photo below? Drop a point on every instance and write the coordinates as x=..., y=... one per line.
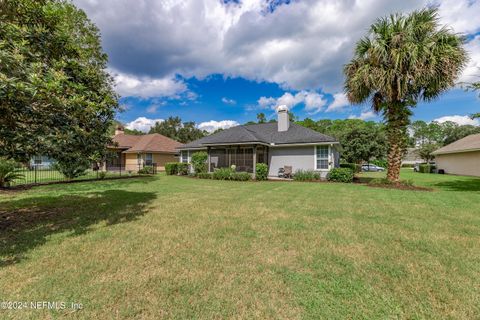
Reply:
x=175, y=129
x=56, y=97
x=363, y=144
x=261, y=117
x=403, y=59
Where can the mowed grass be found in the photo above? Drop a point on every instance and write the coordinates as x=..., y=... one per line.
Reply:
x=175, y=248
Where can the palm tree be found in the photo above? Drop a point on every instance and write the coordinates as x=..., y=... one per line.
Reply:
x=403, y=59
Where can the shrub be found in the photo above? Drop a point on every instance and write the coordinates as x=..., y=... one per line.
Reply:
x=241, y=176
x=199, y=162
x=352, y=166
x=171, y=168
x=102, y=174
x=261, y=171
x=73, y=168
x=204, y=175
x=182, y=168
x=223, y=174
x=426, y=168
x=8, y=172
x=230, y=174
x=340, y=175
x=380, y=162
x=306, y=175
x=407, y=165
x=146, y=170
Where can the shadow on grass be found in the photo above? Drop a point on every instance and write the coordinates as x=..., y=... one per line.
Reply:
x=29, y=222
x=471, y=184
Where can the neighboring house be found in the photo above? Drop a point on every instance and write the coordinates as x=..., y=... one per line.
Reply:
x=460, y=157
x=411, y=156
x=133, y=152
x=41, y=162
x=277, y=144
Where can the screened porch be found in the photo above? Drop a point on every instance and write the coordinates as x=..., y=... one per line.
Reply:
x=243, y=157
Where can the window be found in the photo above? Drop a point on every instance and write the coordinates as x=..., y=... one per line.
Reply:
x=184, y=156
x=148, y=159
x=322, y=157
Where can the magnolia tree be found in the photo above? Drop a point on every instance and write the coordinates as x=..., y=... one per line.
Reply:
x=56, y=97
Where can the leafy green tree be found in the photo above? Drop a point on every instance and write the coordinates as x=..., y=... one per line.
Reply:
x=363, y=144
x=426, y=151
x=175, y=129
x=55, y=92
x=261, y=117
x=403, y=59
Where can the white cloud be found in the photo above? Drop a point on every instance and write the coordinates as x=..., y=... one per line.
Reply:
x=472, y=71
x=461, y=120
x=301, y=45
x=314, y=102
x=145, y=87
x=366, y=115
x=228, y=101
x=143, y=124
x=213, y=125
x=340, y=101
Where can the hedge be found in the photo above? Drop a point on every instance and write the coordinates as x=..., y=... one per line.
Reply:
x=199, y=162
x=230, y=174
x=171, y=168
x=426, y=168
x=182, y=168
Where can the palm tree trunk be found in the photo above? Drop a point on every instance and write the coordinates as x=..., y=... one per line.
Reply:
x=397, y=116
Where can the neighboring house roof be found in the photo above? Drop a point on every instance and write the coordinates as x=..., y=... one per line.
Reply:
x=145, y=143
x=264, y=133
x=469, y=143
x=412, y=155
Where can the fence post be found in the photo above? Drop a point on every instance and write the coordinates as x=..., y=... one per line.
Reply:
x=35, y=170
x=120, y=169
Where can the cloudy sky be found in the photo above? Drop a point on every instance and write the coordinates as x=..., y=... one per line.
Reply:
x=220, y=62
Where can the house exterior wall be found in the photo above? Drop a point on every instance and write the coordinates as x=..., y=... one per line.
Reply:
x=131, y=162
x=299, y=157
x=462, y=163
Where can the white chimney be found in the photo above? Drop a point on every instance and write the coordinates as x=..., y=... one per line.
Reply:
x=283, y=119
x=119, y=130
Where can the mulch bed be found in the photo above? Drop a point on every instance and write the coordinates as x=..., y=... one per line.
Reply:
x=398, y=186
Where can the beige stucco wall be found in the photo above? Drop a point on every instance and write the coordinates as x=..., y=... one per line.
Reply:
x=463, y=163
x=160, y=159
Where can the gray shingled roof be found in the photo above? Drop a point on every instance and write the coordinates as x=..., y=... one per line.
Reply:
x=266, y=133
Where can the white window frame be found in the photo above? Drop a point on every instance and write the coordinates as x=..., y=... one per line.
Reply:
x=329, y=157
x=146, y=159
x=184, y=152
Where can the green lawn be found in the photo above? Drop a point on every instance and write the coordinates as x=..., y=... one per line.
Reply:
x=175, y=247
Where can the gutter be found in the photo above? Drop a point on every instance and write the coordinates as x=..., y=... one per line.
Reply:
x=455, y=151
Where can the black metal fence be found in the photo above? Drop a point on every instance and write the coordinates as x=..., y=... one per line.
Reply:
x=42, y=174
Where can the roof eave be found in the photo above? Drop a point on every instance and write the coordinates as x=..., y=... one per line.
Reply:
x=455, y=151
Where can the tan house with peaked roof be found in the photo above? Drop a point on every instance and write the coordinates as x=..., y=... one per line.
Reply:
x=460, y=157
x=133, y=152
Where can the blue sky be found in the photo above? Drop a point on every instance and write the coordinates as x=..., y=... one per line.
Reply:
x=219, y=62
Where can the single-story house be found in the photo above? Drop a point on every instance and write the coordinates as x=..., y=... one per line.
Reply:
x=411, y=157
x=41, y=162
x=460, y=157
x=276, y=144
x=133, y=152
